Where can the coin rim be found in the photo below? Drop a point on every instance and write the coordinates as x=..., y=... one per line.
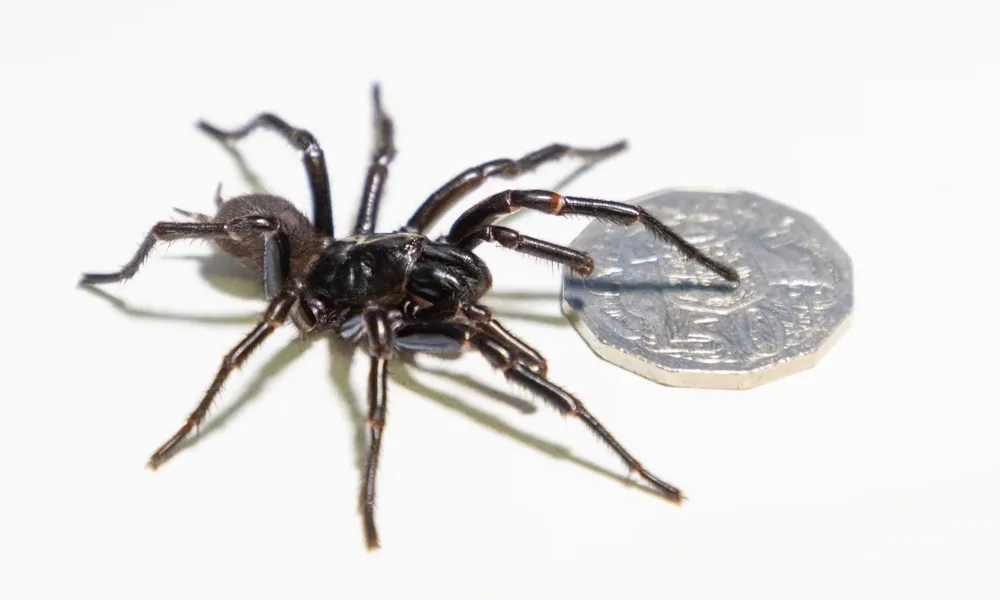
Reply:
x=709, y=378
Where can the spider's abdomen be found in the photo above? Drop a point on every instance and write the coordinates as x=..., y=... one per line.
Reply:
x=303, y=244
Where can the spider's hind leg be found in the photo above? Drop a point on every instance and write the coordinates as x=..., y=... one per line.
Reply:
x=164, y=231
x=241, y=230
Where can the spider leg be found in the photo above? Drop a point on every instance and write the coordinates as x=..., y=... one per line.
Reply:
x=556, y=204
x=380, y=343
x=383, y=154
x=466, y=181
x=377, y=378
x=517, y=365
x=579, y=262
x=164, y=231
x=275, y=316
x=483, y=321
x=509, y=361
x=312, y=158
x=275, y=259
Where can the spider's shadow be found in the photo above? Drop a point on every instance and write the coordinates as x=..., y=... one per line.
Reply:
x=342, y=356
x=225, y=274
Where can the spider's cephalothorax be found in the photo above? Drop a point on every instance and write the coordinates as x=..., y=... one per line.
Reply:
x=400, y=291
x=407, y=271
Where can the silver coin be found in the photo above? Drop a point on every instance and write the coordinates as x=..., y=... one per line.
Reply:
x=647, y=309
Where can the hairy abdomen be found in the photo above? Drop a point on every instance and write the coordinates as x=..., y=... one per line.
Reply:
x=304, y=244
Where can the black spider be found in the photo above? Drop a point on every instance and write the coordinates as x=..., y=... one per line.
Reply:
x=399, y=291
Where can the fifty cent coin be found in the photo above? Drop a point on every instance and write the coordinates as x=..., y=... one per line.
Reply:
x=647, y=309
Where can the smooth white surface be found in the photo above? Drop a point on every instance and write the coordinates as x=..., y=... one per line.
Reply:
x=875, y=475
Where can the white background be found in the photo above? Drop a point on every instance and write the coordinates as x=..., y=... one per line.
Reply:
x=874, y=475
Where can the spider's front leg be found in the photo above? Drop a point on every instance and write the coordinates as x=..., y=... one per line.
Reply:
x=506, y=237
x=466, y=181
x=164, y=231
x=481, y=215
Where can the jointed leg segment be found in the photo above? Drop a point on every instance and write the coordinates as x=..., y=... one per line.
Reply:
x=161, y=232
x=312, y=158
x=456, y=189
x=377, y=378
x=275, y=254
x=516, y=371
x=520, y=366
x=556, y=204
x=275, y=316
x=385, y=151
x=509, y=238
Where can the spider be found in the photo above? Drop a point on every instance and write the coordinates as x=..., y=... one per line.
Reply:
x=401, y=291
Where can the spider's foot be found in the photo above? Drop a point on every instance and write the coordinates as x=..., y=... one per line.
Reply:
x=371, y=537
x=669, y=492
x=726, y=272
x=89, y=279
x=223, y=137
x=167, y=450
x=586, y=270
x=156, y=460
x=723, y=270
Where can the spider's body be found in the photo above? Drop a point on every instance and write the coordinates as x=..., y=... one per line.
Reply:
x=397, y=291
x=401, y=270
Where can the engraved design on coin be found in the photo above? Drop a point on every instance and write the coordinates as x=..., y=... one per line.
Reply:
x=648, y=310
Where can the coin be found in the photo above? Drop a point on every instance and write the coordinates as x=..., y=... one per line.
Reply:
x=647, y=309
